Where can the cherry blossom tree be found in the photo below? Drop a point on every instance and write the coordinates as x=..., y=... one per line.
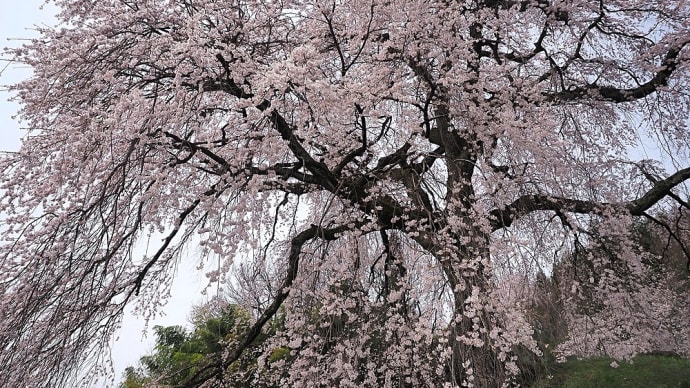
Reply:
x=383, y=164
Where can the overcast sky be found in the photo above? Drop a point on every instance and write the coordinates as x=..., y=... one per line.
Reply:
x=16, y=21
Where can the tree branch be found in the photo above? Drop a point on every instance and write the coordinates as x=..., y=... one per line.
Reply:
x=504, y=217
x=319, y=169
x=617, y=95
x=296, y=244
x=660, y=189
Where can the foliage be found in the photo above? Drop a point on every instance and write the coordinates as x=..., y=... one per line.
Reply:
x=416, y=153
x=180, y=357
x=135, y=378
x=642, y=371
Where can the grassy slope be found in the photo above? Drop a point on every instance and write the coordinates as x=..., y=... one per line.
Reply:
x=645, y=372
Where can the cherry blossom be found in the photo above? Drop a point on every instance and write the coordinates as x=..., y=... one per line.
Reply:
x=371, y=170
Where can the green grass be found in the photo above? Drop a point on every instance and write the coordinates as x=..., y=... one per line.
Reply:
x=646, y=371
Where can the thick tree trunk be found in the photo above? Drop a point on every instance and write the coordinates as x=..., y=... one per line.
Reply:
x=474, y=360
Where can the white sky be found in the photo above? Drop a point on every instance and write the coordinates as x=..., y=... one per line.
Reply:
x=16, y=21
